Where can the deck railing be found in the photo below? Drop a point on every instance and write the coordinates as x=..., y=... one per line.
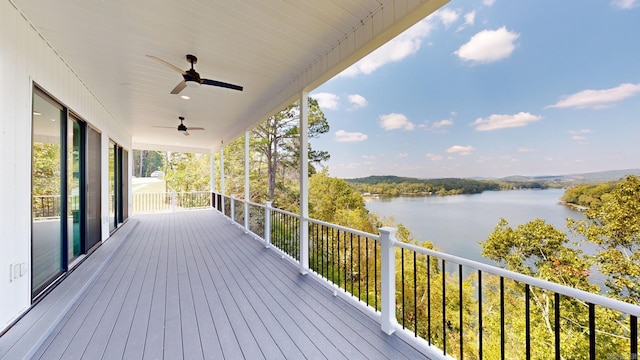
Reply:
x=170, y=201
x=464, y=308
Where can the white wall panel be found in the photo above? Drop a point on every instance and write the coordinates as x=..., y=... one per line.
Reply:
x=25, y=57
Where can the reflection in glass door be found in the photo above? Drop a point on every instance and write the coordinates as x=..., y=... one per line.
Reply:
x=75, y=197
x=94, y=178
x=47, y=258
x=113, y=148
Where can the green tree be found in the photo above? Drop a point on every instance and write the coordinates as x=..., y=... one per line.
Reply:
x=614, y=227
x=276, y=139
x=187, y=172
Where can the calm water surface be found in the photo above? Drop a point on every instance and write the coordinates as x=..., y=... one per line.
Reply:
x=455, y=224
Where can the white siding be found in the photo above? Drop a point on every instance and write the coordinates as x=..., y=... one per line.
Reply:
x=25, y=57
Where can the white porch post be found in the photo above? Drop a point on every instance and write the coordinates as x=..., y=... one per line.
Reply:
x=304, y=183
x=267, y=225
x=388, y=280
x=233, y=208
x=246, y=181
x=222, y=190
x=212, y=180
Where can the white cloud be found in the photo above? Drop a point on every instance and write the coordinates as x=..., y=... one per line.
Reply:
x=442, y=123
x=447, y=16
x=580, y=135
x=327, y=100
x=497, y=121
x=525, y=150
x=470, y=18
x=488, y=2
x=438, y=126
x=368, y=157
x=433, y=157
x=597, y=99
x=357, y=100
x=624, y=4
x=488, y=46
x=343, y=136
x=461, y=150
x=581, y=131
x=400, y=47
x=395, y=121
x=403, y=155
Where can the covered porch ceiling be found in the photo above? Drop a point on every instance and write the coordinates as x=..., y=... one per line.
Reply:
x=273, y=48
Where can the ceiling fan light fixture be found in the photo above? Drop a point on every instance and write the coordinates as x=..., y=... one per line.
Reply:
x=192, y=84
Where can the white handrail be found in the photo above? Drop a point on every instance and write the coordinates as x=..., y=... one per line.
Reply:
x=343, y=228
x=526, y=279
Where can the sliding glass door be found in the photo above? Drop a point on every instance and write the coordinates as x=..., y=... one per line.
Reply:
x=75, y=185
x=65, y=201
x=93, y=180
x=118, y=189
x=47, y=204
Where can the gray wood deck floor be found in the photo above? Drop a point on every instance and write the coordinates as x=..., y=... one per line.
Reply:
x=191, y=285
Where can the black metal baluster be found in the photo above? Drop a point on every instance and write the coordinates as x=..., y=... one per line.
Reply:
x=366, y=260
x=444, y=309
x=359, y=270
x=351, y=255
x=333, y=260
x=339, y=277
x=375, y=272
x=480, y=330
x=592, y=331
x=634, y=336
x=556, y=331
x=429, y=299
x=402, y=273
x=415, y=295
x=527, y=324
x=502, y=335
x=460, y=300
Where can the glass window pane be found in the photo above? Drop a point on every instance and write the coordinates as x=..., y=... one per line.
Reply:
x=46, y=188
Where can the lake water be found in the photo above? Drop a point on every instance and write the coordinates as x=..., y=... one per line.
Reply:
x=456, y=224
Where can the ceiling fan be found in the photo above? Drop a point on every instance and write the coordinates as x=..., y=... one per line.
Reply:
x=182, y=128
x=191, y=76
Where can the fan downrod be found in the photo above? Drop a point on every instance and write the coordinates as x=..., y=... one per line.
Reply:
x=192, y=59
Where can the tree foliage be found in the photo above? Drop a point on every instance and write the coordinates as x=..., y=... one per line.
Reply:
x=277, y=139
x=187, y=172
x=614, y=227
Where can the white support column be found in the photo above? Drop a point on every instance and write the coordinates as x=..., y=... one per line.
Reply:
x=267, y=225
x=247, y=193
x=222, y=189
x=388, y=280
x=233, y=208
x=304, y=182
x=212, y=179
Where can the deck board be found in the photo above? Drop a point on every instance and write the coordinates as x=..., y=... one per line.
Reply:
x=192, y=285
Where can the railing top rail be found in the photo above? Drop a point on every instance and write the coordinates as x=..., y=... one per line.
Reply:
x=285, y=212
x=256, y=204
x=343, y=228
x=558, y=288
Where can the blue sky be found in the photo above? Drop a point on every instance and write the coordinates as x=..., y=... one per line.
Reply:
x=490, y=89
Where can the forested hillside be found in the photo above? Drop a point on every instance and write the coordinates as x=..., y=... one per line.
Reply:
x=394, y=186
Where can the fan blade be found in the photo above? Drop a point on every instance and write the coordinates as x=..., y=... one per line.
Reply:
x=164, y=127
x=185, y=133
x=166, y=64
x=221, y=84
x=195, y=128
x=179, y=87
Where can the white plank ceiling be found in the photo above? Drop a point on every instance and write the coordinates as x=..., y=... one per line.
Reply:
x=273, y=48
